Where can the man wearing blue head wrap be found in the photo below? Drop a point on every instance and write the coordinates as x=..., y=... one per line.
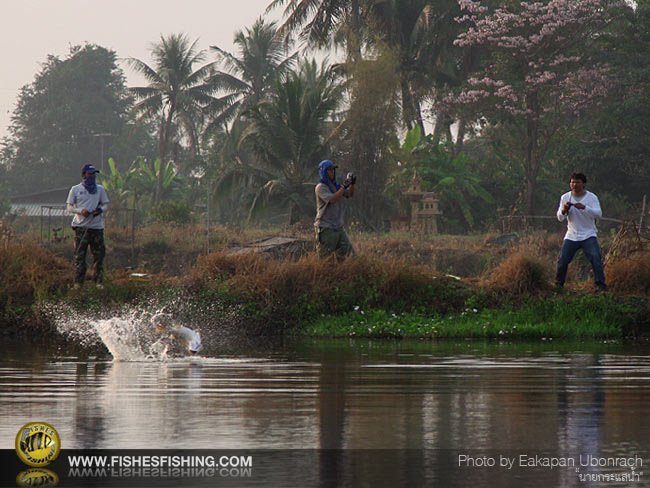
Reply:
x=331, y=236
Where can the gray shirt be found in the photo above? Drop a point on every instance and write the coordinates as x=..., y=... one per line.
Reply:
x=328, y=215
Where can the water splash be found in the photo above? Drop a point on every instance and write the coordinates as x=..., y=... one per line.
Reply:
x=122, y=338
x=128, y=336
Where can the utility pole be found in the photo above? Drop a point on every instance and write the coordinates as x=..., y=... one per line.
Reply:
x=101, y=138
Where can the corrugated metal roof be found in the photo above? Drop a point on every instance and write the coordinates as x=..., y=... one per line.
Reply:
x=55, y=196
x=38, y=210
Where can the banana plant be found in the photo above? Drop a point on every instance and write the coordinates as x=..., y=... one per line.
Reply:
x=118, y=185
x=139, y=182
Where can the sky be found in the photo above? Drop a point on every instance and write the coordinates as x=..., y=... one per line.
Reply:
x=33, y=29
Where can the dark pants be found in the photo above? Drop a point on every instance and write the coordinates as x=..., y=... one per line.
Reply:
x=330, y=241
x=592, y=251
x=94, y=238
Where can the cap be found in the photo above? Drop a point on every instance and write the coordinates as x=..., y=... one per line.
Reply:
x=89, y=168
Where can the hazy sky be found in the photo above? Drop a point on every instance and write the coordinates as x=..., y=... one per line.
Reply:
x=32, y=29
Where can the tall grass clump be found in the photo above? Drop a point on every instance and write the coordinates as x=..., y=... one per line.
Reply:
x=29, y=274
x=286, y=292
x=630, y=274
x=519, y=274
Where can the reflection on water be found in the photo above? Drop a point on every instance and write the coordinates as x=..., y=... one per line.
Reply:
x=441, y=397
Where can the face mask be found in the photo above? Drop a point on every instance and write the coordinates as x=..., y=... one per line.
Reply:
x=89, y=184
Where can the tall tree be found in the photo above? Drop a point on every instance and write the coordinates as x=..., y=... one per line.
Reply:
x=369, y=126
x=321, y=21
x=248, y=77
x=612, y=145
x=289, y=133
x=176, y=94
x=540, y=75
x=60, y=117
x=421, y=32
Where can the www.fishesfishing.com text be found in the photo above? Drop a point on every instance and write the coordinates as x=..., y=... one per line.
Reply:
x=160, y=466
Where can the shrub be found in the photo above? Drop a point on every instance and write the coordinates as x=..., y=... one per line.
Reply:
x=518, y=274
x=629, y=274
x=286, y=291
x=172, y=212
x=28, y=274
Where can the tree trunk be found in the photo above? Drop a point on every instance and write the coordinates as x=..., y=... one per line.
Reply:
x=411, y=111
x=164, y=148
x=531, y=188
x=442, y=126
x=294, y=215
x=533, y=158
x=354, y=43
x=407, y=112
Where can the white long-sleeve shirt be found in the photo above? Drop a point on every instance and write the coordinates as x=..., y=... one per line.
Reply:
x=581, y=224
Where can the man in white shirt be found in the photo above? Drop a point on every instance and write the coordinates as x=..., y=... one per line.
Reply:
x=580, y=208
x=88, y=202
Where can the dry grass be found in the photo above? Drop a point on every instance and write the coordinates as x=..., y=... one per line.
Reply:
x=328, y=285
x=28, y=272
x=518, y=274
x=630, y=275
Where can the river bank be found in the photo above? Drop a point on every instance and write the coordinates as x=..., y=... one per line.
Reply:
x=374, y=294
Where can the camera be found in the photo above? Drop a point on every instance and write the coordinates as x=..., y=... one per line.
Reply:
x=570, y=204
x=351, y=178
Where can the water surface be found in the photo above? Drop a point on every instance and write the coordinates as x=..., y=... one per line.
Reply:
x=423, y=403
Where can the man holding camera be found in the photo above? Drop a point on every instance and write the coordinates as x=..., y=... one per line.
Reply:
x=331, y=236
x=580, y=208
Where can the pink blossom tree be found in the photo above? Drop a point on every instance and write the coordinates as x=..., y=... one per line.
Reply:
x=538, y=77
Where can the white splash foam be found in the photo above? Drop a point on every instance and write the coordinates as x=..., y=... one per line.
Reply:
x=129, y=336
x=121, y=338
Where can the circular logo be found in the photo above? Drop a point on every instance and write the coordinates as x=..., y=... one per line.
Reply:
x=37, y=444
x=40, y=477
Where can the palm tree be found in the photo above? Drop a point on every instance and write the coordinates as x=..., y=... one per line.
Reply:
x=175, y=95
x=422, y=33
x=320, y=21
x=288, y=134
x=250, y=76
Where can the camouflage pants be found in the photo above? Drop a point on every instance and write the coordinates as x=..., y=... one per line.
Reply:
x=94, y=238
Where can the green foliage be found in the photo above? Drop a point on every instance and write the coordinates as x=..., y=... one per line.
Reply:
x=5, y=204
x=117, y=185
x=582, y=317
x=59, y=115
x=369, y=126
x=442, y=171
x=288, y=135
x=139, y=182
x=249, y=77
x=172, y=212
x=612, y=145
x=174, y=98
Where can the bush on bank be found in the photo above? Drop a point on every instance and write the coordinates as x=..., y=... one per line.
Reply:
x=326, y=297
x=29, y=275
x=284, y=293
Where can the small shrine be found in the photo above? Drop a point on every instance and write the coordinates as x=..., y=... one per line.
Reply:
x=424, y=208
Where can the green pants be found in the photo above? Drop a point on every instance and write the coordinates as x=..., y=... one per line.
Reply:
x=331, y=241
